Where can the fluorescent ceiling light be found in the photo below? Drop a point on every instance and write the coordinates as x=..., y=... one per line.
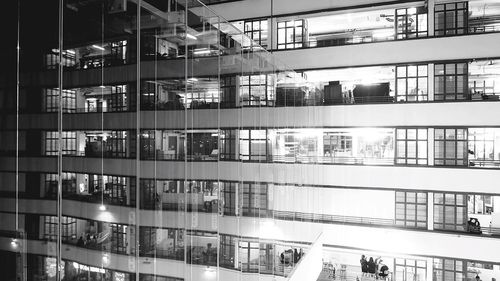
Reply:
x=71, y=52
x=14, y=243
x=203, y=51
x=98, y=47
x=191, y=36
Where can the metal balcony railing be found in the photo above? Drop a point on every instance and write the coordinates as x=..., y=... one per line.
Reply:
x=484, y=163
x=333, y=160
x=323, y=218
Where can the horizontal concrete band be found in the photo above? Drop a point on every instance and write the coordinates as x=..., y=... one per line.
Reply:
x=429, y=114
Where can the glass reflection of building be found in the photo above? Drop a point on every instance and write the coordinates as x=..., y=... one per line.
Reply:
x=227, y=140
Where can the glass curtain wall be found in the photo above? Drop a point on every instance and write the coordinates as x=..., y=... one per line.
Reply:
x=135, y=181
x=101, y=39
x=154, y=159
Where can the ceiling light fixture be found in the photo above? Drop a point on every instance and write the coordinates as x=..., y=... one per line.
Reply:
x=14, y=243
x=98, y=47
x=203, y=51
x=190, y=36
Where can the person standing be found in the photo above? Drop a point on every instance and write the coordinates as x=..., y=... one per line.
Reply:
x=296, y=256
x=371, y=266
x=80, y=242
x=364, y=264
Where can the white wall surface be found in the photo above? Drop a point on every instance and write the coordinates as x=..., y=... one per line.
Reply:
x=334, y=201
x=262, y=8
x=392, y=52
x=402, y=114
x=418, y=178
x=401, y=177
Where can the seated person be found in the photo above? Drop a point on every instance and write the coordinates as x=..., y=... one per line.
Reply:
x=383, y=271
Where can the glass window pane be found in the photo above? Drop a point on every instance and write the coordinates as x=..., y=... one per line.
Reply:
x=401, y=134
x=401, y=71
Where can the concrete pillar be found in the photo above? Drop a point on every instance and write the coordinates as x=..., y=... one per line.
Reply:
x=237, y=91
x=430, y=211
x=430, y=146
x=430, y=264
x=272, y=34
x=430, y=82
x=237, y=198
x=237, y=144
x=430, y=17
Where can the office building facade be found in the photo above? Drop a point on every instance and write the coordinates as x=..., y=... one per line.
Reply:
x=168, y=140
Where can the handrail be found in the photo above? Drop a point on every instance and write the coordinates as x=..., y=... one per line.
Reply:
x=333, y=159
x=329, y=273
x=324, y=218
x=486, y=163
x=171, y=106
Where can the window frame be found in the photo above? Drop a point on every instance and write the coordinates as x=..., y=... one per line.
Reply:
x=442, y=10
x=245, y=248
x=251, y=32
x=417, y=140
x=227, y=251
x=51, y=139
x=117, y=101
x=51, y=100
x=452, y=78
x=250, y=140
x=229, y=191
x=407, y=97
x=409, y=263
x=228, y=144
x=440, y=210
x=441, y=272
x=118, y=238
x=444, y=143
x=414, y=222
x=405, y=33
x=291, y=26
x=255, y=201
x=266, y=81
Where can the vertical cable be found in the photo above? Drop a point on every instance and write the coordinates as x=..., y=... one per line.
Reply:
x=59, y=141
x=185, y=137
x=156, y=196
x=17, y=117
x=271, y=33
x=219, y=148
x=138, y=138
x=239, y=184
x=102, y=108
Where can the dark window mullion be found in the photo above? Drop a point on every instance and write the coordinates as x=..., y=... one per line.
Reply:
x=406, y=147
x=455, y=79
x=416, y=27
x=406, y=30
